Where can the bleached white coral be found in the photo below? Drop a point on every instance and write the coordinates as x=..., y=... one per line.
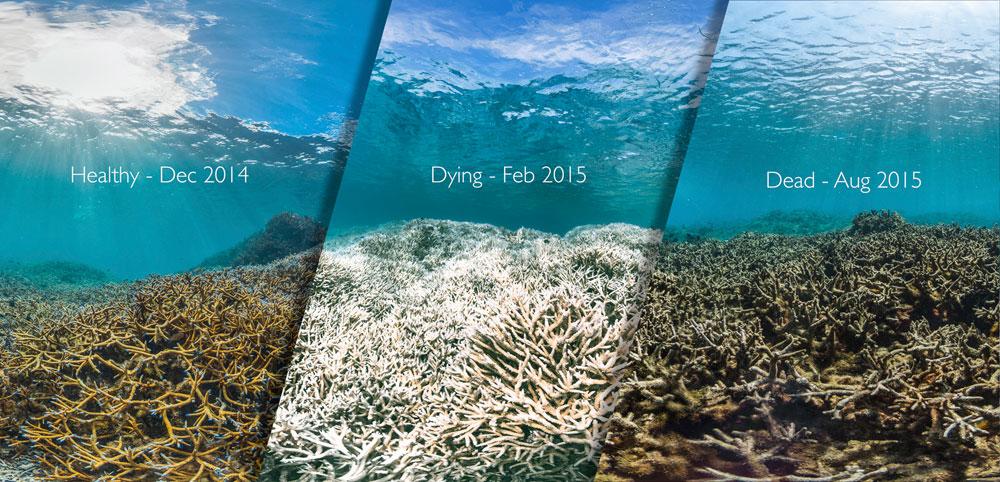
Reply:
x=20, y=469
x=439, y=350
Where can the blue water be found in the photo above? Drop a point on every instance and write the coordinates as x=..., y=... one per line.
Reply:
x=476, y=86
x=797, y=87
x=801, y=87
x=260, y=85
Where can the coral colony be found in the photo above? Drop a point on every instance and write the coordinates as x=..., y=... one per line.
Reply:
x=167, y=378
x=865, y=354
x=440, y=350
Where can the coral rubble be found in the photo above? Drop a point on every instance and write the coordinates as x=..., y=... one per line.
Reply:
x=440, y=350
x=173, y=379
x=864, y=354
x=797, y=222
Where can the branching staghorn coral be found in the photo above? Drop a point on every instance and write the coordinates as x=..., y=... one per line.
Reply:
x=24, y=304
x=866, y=354
x=441, y=350
x=174, y=381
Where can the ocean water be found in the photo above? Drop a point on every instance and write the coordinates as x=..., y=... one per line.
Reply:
x=853, y=87
x=145, y=86
x=601, y=91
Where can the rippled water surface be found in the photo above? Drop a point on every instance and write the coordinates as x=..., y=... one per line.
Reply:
x=858, y=87
x=140, y=85
x=476, y=87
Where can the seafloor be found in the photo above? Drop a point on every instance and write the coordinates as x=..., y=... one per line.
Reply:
x=451, y=351
x=869, y=353
x=166, y=378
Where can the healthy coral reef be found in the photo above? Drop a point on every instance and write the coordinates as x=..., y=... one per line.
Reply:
x=440, y=350
x=23, y=303
x=55, y=274
x=172, y=379
x=864, y=354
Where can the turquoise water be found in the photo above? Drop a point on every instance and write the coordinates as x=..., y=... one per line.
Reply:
x=252, y=88
x=859, y=87
x=606, y=88
x=609, y=87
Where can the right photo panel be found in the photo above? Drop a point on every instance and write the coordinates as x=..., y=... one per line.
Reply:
x=825, y=305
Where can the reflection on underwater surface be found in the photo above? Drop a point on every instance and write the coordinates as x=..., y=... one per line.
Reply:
x=623, y=139
x=605, y=90
x=858, y=87
x=172, y=87
x=151, y=227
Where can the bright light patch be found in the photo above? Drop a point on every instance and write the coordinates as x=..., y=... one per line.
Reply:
x=91, y=60
x=617, y=36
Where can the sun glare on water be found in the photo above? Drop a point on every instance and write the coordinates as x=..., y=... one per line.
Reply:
x=90, y=70
x=98, y=59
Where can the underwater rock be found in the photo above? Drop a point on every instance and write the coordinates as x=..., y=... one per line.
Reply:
x=285, y=234
x=175, y=381
x=440, y=350
x=876, y=222
x=864, y=354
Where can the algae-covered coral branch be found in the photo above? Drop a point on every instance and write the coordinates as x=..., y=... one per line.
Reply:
x=175, y=380
x=865, y=354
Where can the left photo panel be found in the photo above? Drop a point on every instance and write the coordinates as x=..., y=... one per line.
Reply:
x=167, y=172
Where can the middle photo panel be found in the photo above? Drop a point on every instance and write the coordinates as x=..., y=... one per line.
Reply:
x=476, y=299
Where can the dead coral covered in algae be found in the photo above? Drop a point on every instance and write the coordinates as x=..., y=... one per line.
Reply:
x=174, y=380
x=865, y=354
x=441, y=350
